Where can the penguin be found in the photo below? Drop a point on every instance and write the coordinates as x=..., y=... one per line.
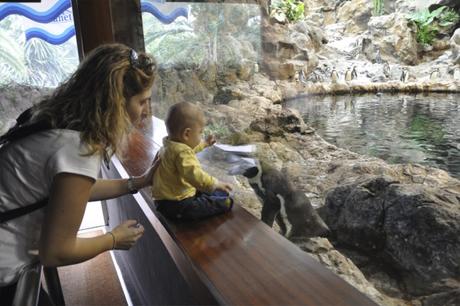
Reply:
x=348, y=75
x=282, y=202
x=334, y=76
x=354, y=73
x=435, y=74
x=386, y=70
x=317, y=78
x=302, y=78
x=456, y=73
x=404, y=75
x=378, y=57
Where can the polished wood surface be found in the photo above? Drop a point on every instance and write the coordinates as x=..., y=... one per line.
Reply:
x=241, y=260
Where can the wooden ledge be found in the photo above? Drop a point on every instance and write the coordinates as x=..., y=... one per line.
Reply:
x=236, y=259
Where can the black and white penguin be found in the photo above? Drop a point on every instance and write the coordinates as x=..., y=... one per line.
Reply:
x=302, y=76
x=435, y=74
x=282, y=202
x=317, y=78
x=348, y=75
x=378, y=57
x=404, y=75
x=334, y=76
x=354, y=73
x=456, y=73
x=386, y=70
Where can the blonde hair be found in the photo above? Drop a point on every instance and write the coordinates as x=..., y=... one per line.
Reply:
x=93, y=100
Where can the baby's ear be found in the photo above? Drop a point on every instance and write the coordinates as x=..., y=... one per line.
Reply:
x=186, y=133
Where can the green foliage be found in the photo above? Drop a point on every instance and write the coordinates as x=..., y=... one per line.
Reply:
x=11, y=58
x=449, y=18
x=219, y=35
x=378, y=7
x=287, y=10
x=429, y=23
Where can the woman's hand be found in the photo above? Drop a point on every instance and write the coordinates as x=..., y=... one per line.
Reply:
x=146, y=179
x=126, y=234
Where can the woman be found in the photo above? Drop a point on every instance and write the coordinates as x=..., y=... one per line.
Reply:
x=89, y=115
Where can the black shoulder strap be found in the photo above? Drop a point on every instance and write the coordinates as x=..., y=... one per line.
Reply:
x=22, y=129
x=21, y=211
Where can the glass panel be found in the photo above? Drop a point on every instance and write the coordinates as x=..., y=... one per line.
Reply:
x=38, y=43
x=203, y=43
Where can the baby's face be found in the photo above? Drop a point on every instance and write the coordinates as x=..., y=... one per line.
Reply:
x=196, y=132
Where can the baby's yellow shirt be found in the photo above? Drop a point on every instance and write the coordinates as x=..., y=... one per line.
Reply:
x=180, y=175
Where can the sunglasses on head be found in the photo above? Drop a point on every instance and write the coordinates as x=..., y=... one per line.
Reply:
x=140, y=63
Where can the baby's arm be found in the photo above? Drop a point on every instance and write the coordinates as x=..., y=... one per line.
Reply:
x=210, y=140
x=190, y=169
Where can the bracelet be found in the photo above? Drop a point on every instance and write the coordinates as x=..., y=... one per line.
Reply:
x=113, y=240
x=131, y=188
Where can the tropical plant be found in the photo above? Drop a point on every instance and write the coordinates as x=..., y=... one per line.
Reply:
x=11, y=59
x=210, y=36
x=429, y=23
x=287, y=10
x=449, y=17
x=48, y=65
x=378, y=7
x=35, y=61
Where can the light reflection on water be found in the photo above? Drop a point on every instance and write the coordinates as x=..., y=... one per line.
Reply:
x=397, y=128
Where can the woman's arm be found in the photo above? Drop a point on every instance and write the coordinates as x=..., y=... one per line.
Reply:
x=59, y=244
x=108, y=189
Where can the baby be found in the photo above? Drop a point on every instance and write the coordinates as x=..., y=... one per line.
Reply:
x=181, y=188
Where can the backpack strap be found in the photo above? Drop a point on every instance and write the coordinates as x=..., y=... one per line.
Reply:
x=21, y=211
x=21, y=129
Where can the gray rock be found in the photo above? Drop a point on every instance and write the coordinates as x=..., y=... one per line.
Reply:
x=412, y=227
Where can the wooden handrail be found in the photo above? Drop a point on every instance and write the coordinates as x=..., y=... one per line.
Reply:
x=238, y=259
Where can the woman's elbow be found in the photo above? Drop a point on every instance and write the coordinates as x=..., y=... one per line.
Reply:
x=51, y=258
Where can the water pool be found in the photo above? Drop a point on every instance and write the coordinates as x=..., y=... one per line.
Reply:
x=422, y=129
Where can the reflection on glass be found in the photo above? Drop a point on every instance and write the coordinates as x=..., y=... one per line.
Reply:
x=38, y=43
x=203, y=44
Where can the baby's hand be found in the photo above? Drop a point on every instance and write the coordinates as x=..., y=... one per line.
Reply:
x=224, y=187
x=210, y=140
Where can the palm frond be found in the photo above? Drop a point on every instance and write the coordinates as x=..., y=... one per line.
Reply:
x=11, y=54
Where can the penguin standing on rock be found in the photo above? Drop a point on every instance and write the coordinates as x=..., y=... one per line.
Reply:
x=354, y=73
x=348, y=75
x=282, y=202
x=334, y=76
x=435, y=74
x=302, y=78
x=456, y=73
x=404, y=75
x=378, y=57
x=386, y=70
x=317, y=78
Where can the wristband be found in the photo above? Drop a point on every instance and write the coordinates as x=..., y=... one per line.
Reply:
x=113, y=240
x=131, y=187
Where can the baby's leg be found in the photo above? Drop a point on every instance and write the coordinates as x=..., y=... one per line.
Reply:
x=205, y=205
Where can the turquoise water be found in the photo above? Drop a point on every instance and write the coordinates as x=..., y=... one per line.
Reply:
x=397, y=128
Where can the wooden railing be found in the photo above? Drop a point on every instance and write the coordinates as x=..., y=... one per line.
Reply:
x=231, y=259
